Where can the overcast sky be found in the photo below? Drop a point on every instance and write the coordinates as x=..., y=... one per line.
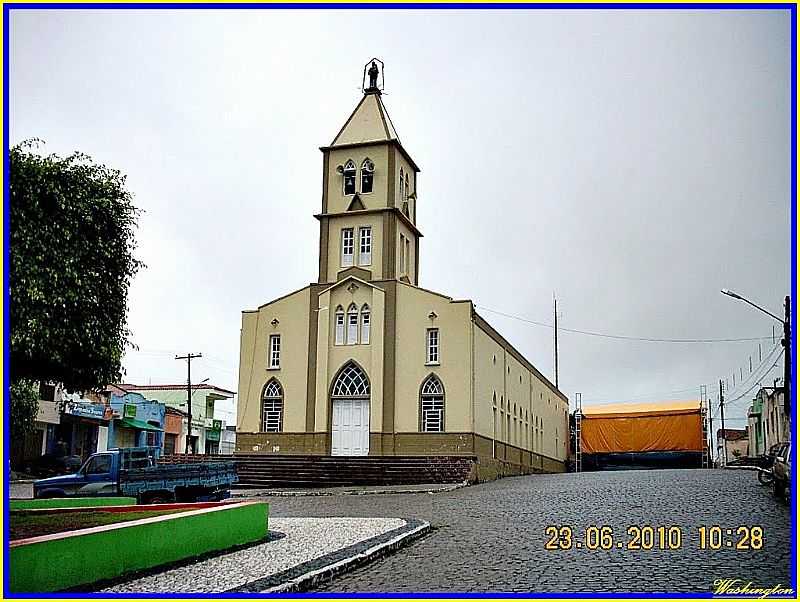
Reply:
x=633, y=162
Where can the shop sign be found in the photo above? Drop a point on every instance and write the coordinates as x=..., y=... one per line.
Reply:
x=129, y=411
x=86, y=410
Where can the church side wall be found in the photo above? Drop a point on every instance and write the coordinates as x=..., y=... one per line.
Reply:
x=292, y=315
x=517, y=413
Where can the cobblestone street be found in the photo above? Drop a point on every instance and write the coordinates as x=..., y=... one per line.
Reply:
x=491, y=537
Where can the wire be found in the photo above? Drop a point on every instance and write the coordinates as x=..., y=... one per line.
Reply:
x=757, y=383
x=768, y=358
x=620, y=336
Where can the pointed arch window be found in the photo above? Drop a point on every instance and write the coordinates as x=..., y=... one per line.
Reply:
x=272, y=408
x=339, y=321
x=367, y=176
x=402, y=186
x=352, y=324
x=349, y=177
x=366, y=319
x=351, y=383
x=432, y=405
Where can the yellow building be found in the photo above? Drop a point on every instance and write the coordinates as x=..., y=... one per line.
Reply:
x=365, y=361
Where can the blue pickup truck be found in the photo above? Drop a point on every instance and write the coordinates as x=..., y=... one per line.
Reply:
x=134, y=472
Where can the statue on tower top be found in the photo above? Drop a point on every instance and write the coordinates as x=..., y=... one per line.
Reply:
x=373, y=69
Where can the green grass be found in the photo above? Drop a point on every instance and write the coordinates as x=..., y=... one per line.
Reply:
x=22, y=526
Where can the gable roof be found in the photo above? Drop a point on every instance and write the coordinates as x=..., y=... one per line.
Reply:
x=369, y=122
x=345, y=280
x=212, y=388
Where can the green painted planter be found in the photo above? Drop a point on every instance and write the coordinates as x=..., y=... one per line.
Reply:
x=75, y=558
x=71, y=502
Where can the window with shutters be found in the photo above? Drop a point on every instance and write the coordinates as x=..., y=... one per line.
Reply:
x=365, y=245
x=432, y=344
x=432, y=405
x=352, y=324
x=339, y=322
x=367, y=176
x=348, y=246
x=274, y=351
x=365, y=324
x=349, y=174
x=272, y=407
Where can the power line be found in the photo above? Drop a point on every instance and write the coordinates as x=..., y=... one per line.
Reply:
x=620, y=336
x=765, y=361
x=758, y=382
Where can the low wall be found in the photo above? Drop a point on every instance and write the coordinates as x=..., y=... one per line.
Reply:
x=75, y=558
x=70, y=502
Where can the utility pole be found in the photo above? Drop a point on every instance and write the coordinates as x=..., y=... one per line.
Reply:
x=555, y=333
x=710, y=432
x=188, y=357
x=787, y=355
x=722, y=417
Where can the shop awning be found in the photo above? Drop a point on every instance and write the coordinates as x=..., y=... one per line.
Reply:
x=132, y=423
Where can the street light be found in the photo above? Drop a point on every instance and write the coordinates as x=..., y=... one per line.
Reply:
x=786, y=342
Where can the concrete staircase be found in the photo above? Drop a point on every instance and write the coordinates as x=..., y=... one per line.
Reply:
x=258, y=470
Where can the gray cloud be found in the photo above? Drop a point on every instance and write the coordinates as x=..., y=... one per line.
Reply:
x=634, y=162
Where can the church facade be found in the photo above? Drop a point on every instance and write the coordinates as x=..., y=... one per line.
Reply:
x=366, y=362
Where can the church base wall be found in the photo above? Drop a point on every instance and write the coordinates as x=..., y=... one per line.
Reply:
x=495, y=458
x=297, y=444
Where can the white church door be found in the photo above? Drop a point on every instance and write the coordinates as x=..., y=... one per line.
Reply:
x=350, y=419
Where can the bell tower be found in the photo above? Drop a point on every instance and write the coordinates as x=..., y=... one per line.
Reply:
x=369, y=195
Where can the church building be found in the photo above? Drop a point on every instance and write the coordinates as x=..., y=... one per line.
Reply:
x=366, y=362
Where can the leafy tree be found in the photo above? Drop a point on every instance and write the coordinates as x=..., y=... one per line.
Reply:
x=24, y=407
x=71, y=265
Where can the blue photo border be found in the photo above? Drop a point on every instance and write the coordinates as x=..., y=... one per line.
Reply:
x=8, y=7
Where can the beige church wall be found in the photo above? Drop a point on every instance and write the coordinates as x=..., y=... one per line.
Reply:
x=246, y=410
x=291, y=312
x=402, y=163
x=489, y=368
x=355, y=220
x=331, y=357
x=379, y=155
x=410, y=264
x=550, y=409
x=413, y=307
x=503, y=377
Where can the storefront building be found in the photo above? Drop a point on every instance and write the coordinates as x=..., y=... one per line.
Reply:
x=137, y=422
x=84, y=428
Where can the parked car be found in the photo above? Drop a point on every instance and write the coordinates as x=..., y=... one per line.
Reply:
x=134, y=472
x=782, y=470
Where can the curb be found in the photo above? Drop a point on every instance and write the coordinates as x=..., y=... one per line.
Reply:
x=313, y=578
x=318, y=492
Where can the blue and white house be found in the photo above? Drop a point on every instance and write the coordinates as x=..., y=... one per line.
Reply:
x=136, y=421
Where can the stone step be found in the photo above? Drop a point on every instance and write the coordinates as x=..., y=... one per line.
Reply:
x=259, y=470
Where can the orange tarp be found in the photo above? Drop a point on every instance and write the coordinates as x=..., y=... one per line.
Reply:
x=669, y=426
